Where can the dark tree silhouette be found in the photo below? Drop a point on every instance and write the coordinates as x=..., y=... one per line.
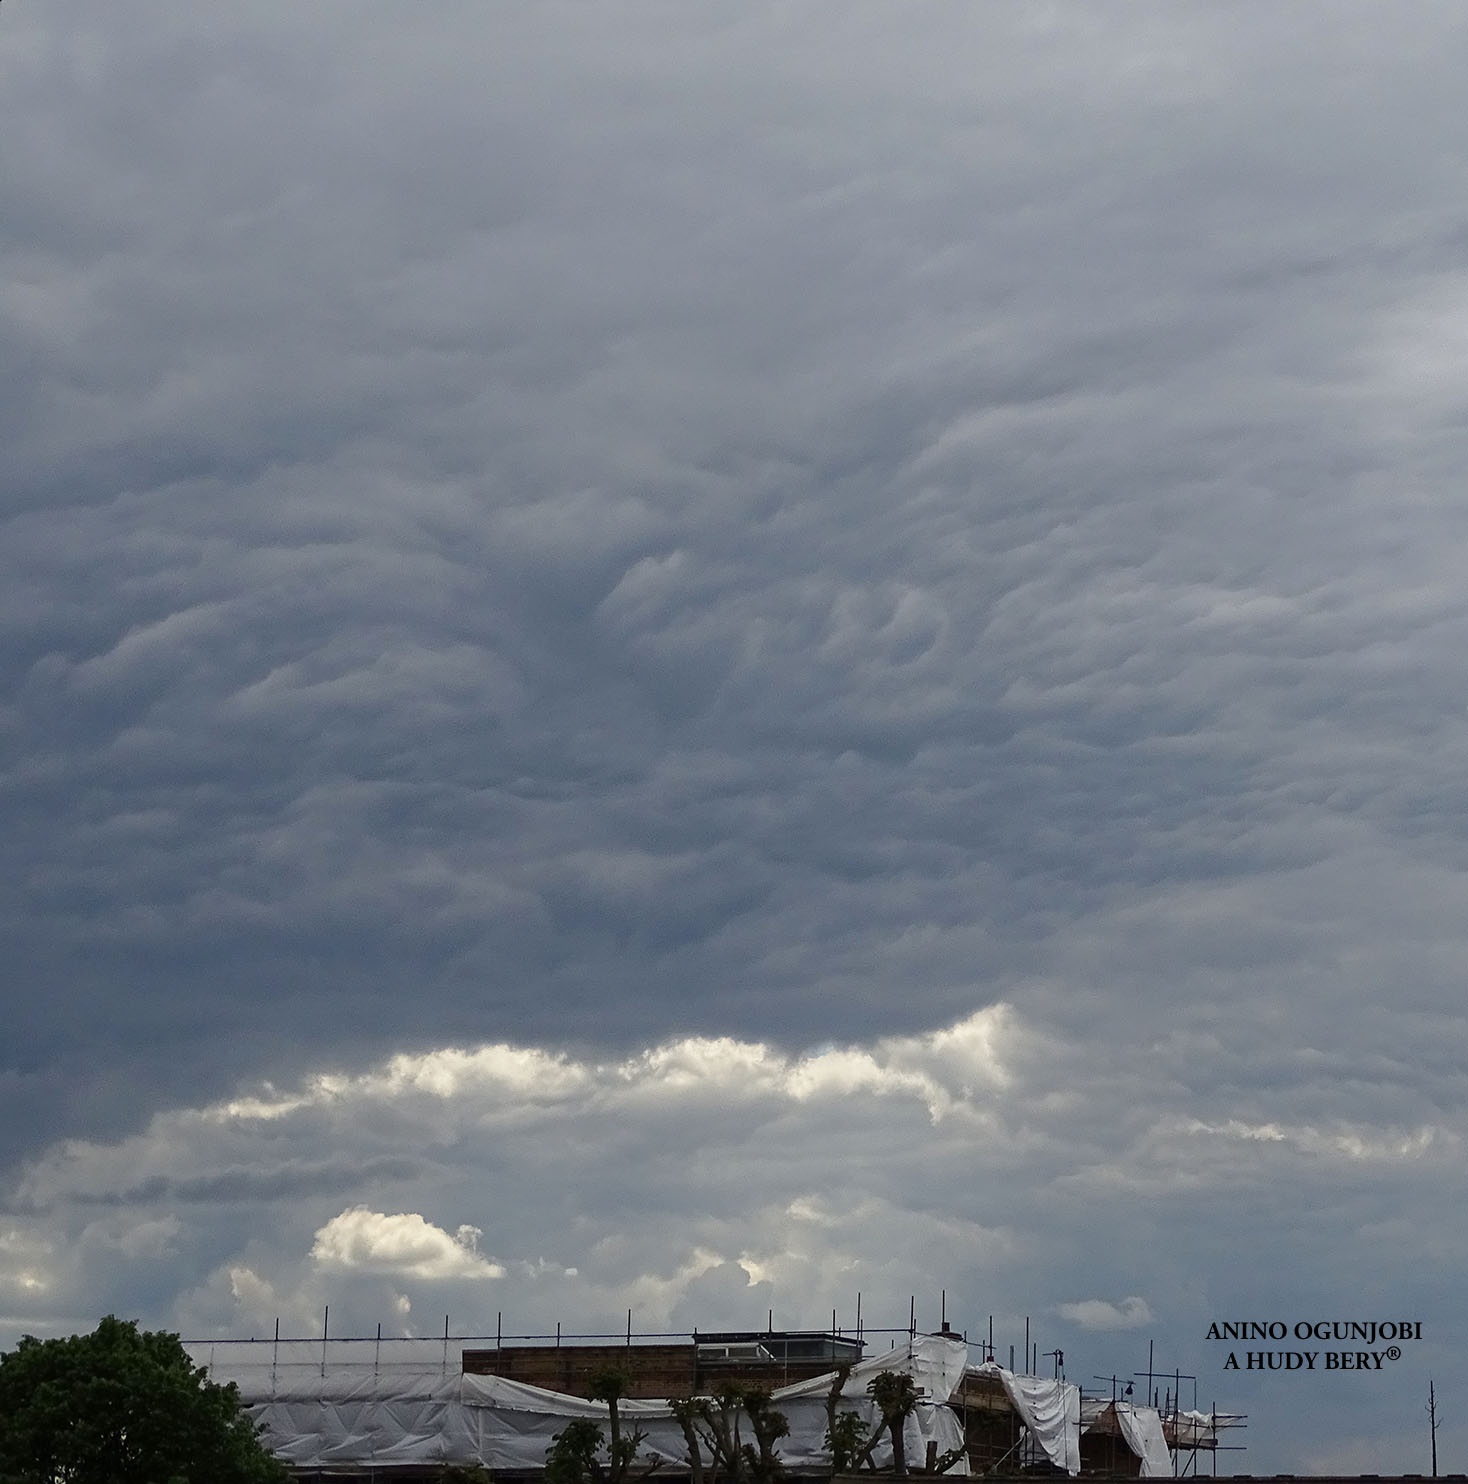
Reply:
x=122, y=1406
x=896, y=1395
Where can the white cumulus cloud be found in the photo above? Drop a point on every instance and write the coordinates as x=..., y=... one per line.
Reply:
x=405, y=1243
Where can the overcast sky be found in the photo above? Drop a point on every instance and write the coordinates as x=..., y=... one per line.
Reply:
x=707, y=657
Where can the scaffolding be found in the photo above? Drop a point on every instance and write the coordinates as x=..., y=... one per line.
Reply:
x=1112, y=1421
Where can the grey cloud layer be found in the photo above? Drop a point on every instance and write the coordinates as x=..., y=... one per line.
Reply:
x=580, y=528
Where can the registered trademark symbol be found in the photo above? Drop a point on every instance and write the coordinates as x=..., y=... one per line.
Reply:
x=1393, y=1352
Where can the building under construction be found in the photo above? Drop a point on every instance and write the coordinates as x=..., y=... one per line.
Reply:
x=407, y=1410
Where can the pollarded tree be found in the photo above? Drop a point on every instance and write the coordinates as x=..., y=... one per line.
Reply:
x=711, y=1425
x=122, y=1406
x=769, y=1426
x=848, y=1437
x=610, y=1385
x=896, y=1396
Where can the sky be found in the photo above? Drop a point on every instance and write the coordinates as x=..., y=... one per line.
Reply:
x=710, y=658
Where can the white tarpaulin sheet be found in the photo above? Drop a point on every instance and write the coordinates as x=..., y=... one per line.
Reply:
x=317, y=1415
x=1142, y=1429
x=1050, y=1411
x=936, y=1364
x=1092, y=1409
x=1195, y=1429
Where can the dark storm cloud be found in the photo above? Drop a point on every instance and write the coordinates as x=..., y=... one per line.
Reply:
x=587, y=528
x=255, y=1186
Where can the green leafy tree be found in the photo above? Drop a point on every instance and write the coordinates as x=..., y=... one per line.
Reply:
x=571, y=1457
x=846, y=1438
x=847, y=1435
x=122, y=1406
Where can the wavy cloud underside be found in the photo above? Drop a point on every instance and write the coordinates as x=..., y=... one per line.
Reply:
x=703, y=658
